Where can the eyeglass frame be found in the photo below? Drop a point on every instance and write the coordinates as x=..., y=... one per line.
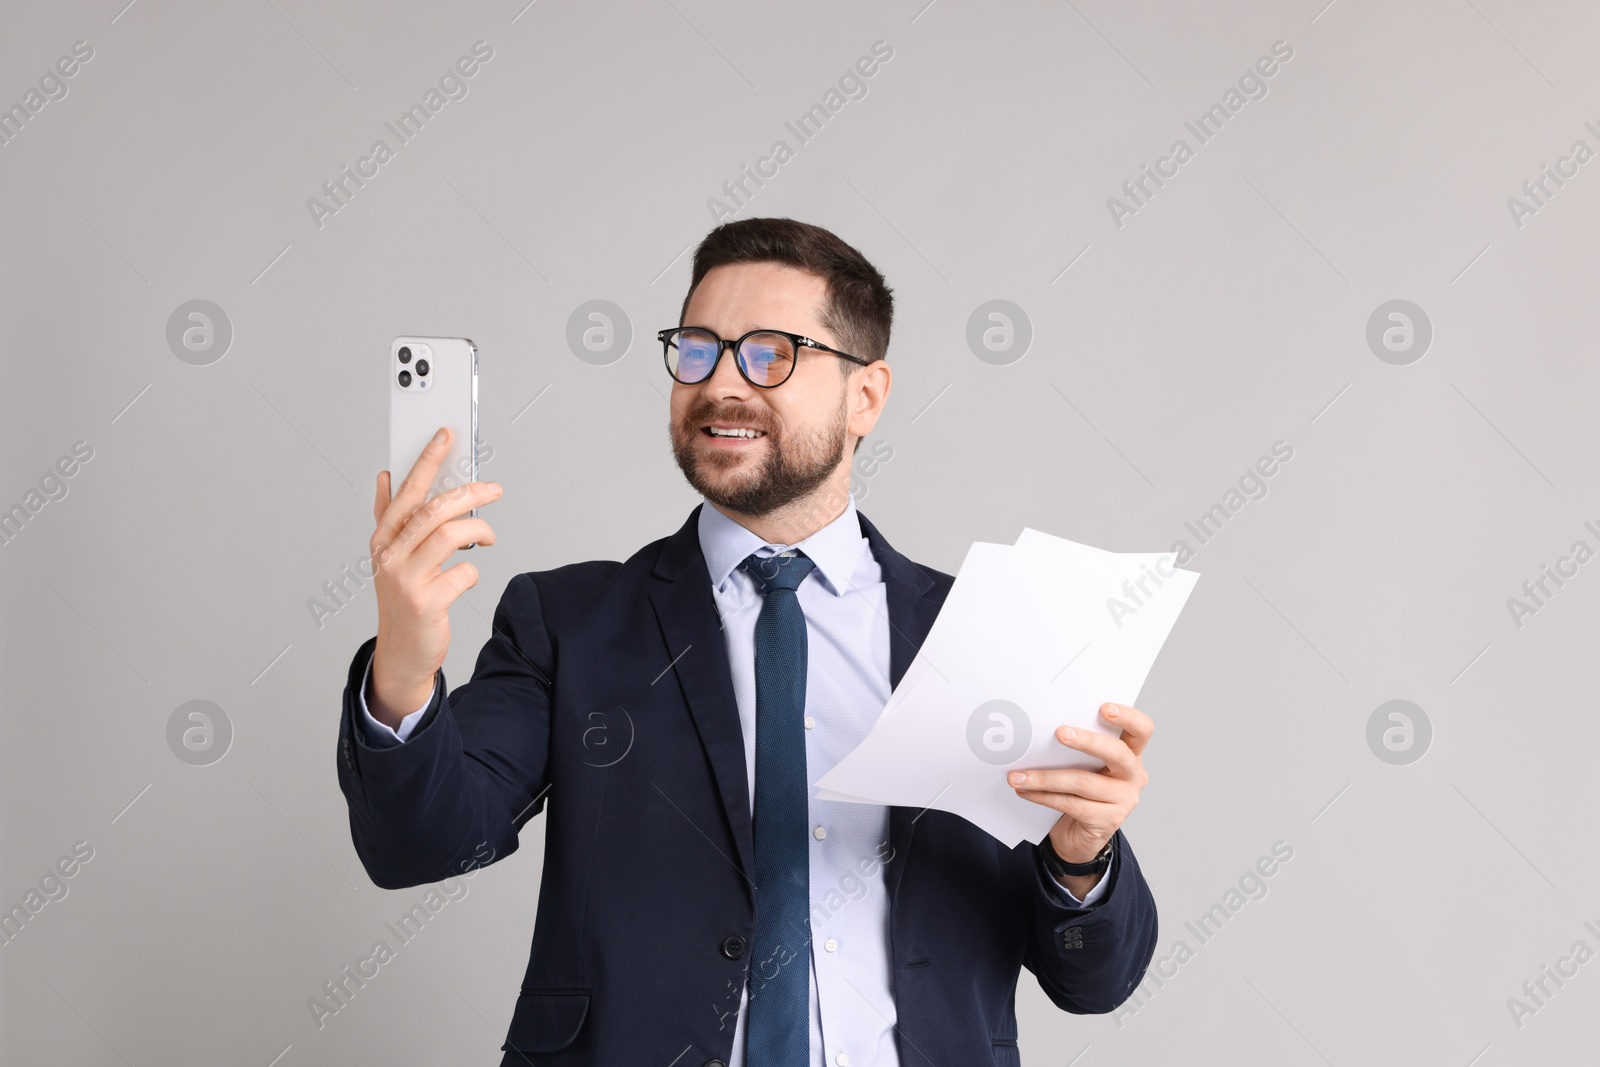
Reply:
x=798, y=340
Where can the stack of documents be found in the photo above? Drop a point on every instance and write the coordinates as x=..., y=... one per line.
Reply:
x=1032, y=636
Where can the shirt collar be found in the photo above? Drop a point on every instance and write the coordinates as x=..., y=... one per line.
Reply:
x=834, y=549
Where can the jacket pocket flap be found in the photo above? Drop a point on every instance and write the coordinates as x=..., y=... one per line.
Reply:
x=546, y=1021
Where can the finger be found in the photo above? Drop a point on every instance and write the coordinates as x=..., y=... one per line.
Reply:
x=1091, y=785
x=1117, y=756
x=414, y=489
x=1136, y=725
x=438, y=510
x=445, y=541
x=1090, y=813
x=458, y=580
x=380, y=502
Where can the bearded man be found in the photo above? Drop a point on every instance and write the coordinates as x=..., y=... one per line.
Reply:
x=698, y=904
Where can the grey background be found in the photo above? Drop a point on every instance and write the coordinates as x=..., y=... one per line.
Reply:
x=1229, y=313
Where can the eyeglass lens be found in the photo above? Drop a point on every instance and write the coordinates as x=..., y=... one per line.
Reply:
x=766, y=358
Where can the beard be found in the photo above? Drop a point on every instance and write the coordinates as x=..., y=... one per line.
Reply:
x=795, y=466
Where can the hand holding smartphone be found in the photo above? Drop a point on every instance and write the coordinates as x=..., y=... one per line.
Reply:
x=432, y=435
x=433, y=382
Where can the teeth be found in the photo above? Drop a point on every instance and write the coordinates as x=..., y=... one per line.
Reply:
x=717, y=432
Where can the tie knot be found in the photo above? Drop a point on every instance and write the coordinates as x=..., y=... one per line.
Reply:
x=783, y=571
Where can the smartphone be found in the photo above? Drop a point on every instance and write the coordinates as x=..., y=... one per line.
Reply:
x=433, y=382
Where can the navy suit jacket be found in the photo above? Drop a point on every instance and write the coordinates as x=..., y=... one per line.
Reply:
x=603, y=697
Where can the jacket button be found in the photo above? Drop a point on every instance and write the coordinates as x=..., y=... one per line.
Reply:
x=715, y=1063
x=733, y=948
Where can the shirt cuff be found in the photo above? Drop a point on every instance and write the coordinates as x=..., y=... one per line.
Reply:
x=1090, y=897
x=378, y=733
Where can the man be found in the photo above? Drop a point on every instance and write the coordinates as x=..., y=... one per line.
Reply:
x=673, y=713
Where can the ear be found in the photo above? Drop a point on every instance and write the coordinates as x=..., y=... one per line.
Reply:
x=867, y=392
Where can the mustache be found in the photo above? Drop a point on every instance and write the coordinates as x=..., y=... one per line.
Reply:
x=705, y=412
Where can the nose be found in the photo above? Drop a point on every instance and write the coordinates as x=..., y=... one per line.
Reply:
x=726, y=383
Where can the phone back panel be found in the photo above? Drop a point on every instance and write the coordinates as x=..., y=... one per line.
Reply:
x=449, y=398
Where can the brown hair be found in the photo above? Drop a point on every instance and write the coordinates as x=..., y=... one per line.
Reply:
x=859, y=308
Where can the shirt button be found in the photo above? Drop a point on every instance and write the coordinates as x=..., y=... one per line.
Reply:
x=841, y=1059
x=820, y=832
x=810, y=722
x=830, y=944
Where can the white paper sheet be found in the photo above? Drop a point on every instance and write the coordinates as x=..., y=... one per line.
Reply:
x=1032, y=636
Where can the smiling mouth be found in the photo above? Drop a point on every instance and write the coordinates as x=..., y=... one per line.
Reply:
x=732, y=433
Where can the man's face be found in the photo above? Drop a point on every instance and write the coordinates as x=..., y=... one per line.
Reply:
x=801, y=426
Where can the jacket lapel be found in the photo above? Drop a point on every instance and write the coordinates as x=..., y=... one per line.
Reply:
x=914, y=602
x=687, y=614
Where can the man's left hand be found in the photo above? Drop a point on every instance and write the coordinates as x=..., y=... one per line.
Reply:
x=1093, y=804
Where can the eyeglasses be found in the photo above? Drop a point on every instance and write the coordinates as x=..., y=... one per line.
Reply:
x=765, y=358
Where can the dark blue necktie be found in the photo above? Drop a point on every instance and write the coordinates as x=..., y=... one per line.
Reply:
x=778, y=1026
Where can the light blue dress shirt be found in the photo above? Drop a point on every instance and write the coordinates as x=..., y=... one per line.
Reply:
x=847, y=685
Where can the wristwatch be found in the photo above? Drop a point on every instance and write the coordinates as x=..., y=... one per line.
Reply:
x=1060, y=868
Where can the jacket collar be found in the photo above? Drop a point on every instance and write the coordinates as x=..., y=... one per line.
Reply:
x=687, y=615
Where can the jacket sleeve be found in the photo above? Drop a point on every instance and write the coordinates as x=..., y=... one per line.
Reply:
x=1099, y=890
x=375, y=732
x=473, y=770
x=1089, y=959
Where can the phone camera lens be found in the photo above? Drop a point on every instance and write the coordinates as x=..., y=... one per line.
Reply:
x=405, y=354
x=422, y=366
x=405, y=379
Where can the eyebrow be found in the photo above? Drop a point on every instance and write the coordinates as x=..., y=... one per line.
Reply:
x=750, y=327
